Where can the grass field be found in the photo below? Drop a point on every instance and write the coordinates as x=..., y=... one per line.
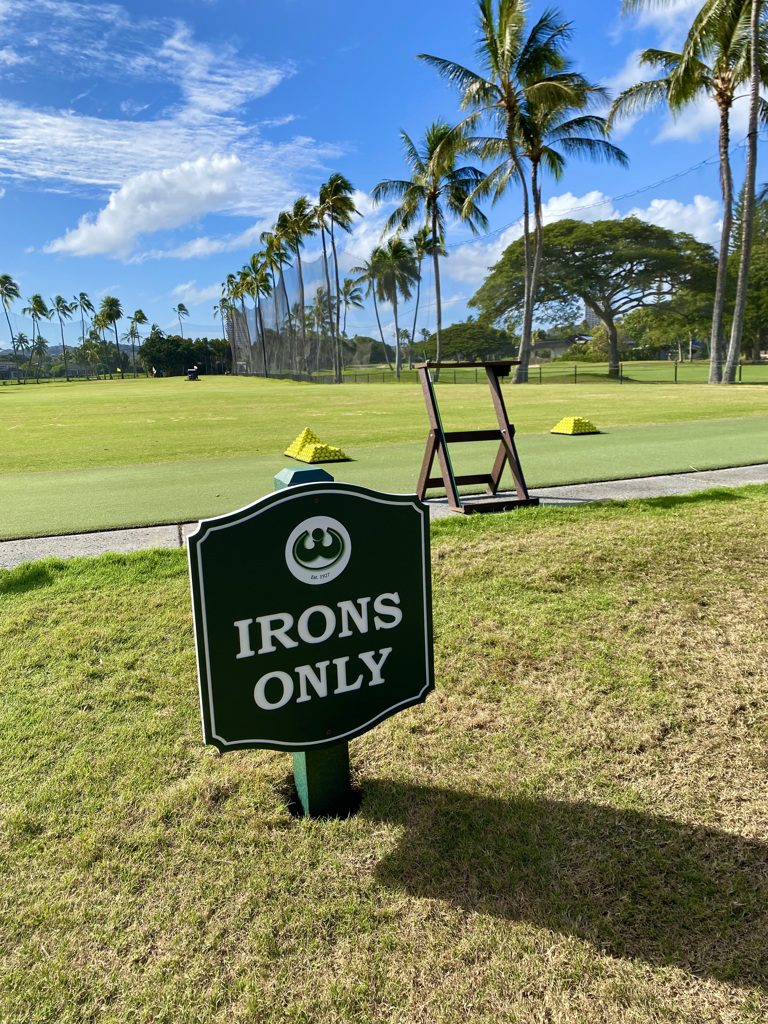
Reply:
x=572, y=830
x=98, y=455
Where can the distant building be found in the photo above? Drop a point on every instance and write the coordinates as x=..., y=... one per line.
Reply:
x=591, y=318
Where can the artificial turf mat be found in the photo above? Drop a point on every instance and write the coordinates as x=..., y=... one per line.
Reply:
x=81, y=500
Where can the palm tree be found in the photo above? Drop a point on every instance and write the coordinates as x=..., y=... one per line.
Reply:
x=351, y=297
x=63, y=311
x=756, y=78
x=338, y=207
x=40, y=349
x=715, y=67
x=38, y=311
x=137, y=320
x=181, y=311
x=548, y=134
x=256, y=282
x=369, y=276
x=421, y=243
x=396, y=273
x=293, y=226
x=222, y=309
x=111, y=311
x=228, y=310
x=84, y=304
x=22, y=344
x=9, y=292
x=100, y=324
x=436, y=186
x=274, y=257
x=515, y=70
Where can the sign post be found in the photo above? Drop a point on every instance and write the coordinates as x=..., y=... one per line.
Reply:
x=313, y=623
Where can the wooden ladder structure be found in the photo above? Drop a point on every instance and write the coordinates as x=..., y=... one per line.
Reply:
x=439, y=439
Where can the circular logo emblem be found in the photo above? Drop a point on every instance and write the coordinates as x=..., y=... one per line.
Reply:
x=318, y=550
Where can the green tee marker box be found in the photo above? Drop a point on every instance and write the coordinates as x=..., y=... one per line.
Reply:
x=313, y=616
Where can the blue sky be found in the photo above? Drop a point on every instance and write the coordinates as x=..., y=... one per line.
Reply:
x=144, y=146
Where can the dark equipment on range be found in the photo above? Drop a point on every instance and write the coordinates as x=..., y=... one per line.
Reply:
x=192, y=373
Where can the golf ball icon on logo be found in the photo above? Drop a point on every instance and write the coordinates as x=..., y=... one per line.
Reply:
x=306, y=636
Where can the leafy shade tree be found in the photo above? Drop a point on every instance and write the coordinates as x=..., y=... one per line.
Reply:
x=63, y=311
x=436, y=188
x=612, y=266
x=675, y=324
x=111, y=311
x=9, y=292
x=515, y=70
x=714, y=63
x=181, y=312
x=471, y=340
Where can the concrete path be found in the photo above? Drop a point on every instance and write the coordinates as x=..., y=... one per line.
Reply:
x=13, y=552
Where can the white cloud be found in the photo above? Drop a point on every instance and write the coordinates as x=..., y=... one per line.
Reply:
x=703, y=118
x=670, y=21
x=129, y=107
x=702, y=218
x=469, y=263
x=629, y=74
x=203, y=116
x=151, y=201
x=191, y=295
x=9, y=57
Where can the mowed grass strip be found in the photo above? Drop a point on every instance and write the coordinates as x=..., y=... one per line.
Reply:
x=572, y=829
x=118, y=423
x=73, y=501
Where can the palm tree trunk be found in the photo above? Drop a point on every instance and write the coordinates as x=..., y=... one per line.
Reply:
x=10, y=329
x=717, y=340
x=415, y=316
x=524, y=355
x=737, y=327
x=260, y=329
x=64, y=348
x=340, y=355
x=336, y=371
x=29, y=361
x=117, y=343
x=438, y=303
x=538, y=228
x=398, y=356
x=381, y=332
x=304, y=355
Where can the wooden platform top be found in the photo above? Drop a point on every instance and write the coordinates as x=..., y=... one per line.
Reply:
x=467, y=366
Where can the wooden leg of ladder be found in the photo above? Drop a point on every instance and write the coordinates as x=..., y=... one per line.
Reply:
x=515, y=467
x=454, y=502
x=498, y=469
x=426, y=466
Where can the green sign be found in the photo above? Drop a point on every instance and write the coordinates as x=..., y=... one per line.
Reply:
x=313, y=616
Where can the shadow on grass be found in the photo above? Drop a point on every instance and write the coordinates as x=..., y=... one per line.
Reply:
x=673, y=500
x=29, y=576
x=634, y=885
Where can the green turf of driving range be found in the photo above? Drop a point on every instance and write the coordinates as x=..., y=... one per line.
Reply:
x=101, y=455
